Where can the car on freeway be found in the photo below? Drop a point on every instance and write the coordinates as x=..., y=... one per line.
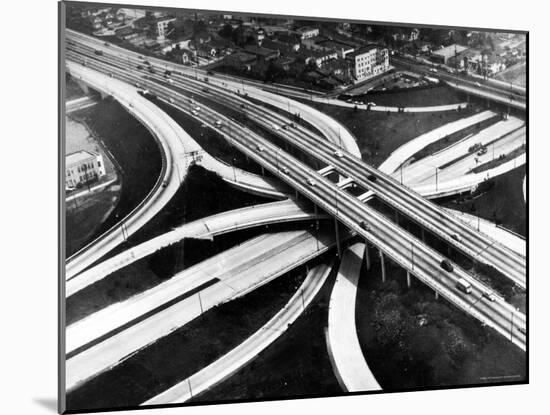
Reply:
x=170, y=81
x=140, y=67
x=310, y=181
x=371, y=104
x=171, y=100
x=482, y=151
x=433, y=70
x=110, y=74
x=197, y=108
x=164, y=184
x=522, y=330
x=464, y=286
x=371, y=178
x=456, y=237
x=339, y=154
x=285, y=170
x=141, y=57
x=286, y=127
x=446, y=265
x=364, y=225
x=194, y=112
x=276, y=127
x=107, y=44
x=218, y=123
x=260, y=148
x=489, y=295
x=478, y=84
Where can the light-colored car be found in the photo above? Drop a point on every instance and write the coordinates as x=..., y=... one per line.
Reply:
x=276, y=127
x=310, y=181
x=433, y=70
x=478, y=84
x=339, y=154
x=285, y=170
x=489, y=295
x=197, y=108
x=171, y=100
x=194, y=112
x=218, y=123
x=260, y=148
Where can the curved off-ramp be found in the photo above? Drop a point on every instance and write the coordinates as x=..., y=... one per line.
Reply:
x=205, y=228
x=175, y=144
x=230, y=363
x=348, y=363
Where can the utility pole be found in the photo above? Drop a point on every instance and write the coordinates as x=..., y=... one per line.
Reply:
x=436, y=179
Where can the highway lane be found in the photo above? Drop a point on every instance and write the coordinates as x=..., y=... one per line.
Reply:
x=275, y=159
x=502, y=133
x=410, y=148
x=464, y=166
x=349, y=364
x=209, y=227
x=327, y=125
x=234, y=273
x=230, y=363
x=489, y=87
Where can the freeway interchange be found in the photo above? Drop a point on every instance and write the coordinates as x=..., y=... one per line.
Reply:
x=326, y=187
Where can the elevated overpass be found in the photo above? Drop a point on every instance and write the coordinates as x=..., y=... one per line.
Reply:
x=423, y=262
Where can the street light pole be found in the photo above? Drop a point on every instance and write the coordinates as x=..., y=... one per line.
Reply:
x=436, y=179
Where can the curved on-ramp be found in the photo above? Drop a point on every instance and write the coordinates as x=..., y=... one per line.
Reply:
x=244, y=353
x=206, y=228
x=348, y=363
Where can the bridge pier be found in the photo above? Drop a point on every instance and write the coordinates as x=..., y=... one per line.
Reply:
x=338, y=248
x=263, y=171
x=408, y=279
x=423, y=235
x=382, y=266
x=367, y=256
x=83, y=86
x=397, y=217
x=436, y=295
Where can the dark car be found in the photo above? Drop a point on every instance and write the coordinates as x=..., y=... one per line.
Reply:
x=364, y=225
x=140, y=67
x=98, y=52
x=446, y=265
x=371, y=178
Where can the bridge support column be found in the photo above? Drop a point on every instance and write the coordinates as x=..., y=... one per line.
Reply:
x=397, y=217
x=263, y=171
x=367, y=256
x=408, y=279
x=83, y=86
x=338, y=248
x=436, y=295
x=383, y=266
x=423, y=235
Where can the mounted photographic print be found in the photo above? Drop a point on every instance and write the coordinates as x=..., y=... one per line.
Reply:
x=262, y=207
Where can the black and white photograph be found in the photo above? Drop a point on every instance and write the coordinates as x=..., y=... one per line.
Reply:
x=260, y=207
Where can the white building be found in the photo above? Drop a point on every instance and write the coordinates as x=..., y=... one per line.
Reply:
x=161, y=27
x=308, y=32
x=83, y=167
x=368, y=62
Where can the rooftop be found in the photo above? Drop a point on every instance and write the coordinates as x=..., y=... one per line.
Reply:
x=79, y=157
x=449, y=51
x=363, y=50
